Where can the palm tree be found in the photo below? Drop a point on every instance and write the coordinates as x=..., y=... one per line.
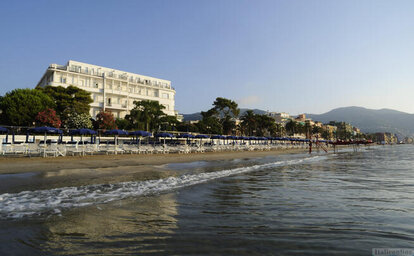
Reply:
x=249, y=121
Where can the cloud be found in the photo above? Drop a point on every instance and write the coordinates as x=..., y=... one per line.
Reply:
x=249, y=100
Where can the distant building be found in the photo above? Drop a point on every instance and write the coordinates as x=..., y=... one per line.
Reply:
x=111, y=89
x=386, y=138
x=318, y=124
x=279, y=117
x=301, y=118
x=344, y=130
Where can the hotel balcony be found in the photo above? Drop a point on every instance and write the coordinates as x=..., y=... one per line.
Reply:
x=116, y=106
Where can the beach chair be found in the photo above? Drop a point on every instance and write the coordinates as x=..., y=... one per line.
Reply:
x=50, y=149
x=74, y=148
x=32, y=149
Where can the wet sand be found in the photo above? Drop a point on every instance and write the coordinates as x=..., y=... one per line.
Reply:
x=18, y=174
x=18, y=165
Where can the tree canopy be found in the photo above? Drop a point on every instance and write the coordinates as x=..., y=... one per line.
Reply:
x=220, y=119
x=21, y=106
x=146, y=115
x=73, y=98
x=105, y=120
x=48, y=117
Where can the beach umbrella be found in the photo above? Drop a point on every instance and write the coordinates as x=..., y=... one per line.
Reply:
x=216, y=137
x=140, y=134
x=45, y=130
x=201, y=137
x=81, y=132
x=116, y=133
x=164, y=135
x=186, y=136
x=6, y=131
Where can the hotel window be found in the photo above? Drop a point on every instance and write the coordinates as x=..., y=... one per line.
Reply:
x=63, y=80
x=109, y=101
x=165, y=96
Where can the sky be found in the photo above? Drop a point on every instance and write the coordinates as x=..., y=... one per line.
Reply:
x=306, y=56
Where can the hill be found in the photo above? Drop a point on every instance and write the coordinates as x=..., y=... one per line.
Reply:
x=370, y=120
x=197, y=116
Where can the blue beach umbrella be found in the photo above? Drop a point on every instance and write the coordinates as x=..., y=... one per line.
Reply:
x=140, y=134
x=201, y=137
x=81, y=132
x=164, y=135
x=45, y=130
x=6, y=131
x=116, y=133
x=186, y=136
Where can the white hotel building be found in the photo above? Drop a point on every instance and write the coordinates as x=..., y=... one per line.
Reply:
x=111, y=89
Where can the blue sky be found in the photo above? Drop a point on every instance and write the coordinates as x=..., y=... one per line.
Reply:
x=292, y=56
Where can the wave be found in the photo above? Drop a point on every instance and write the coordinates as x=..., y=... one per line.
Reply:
x=52, y=201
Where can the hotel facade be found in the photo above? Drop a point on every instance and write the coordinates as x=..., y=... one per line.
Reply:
x=111, y=89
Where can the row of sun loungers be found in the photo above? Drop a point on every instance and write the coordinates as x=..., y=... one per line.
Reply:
x=81, y=148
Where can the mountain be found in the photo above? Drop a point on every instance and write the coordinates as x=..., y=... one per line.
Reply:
x=370, y=120
x=197, y=116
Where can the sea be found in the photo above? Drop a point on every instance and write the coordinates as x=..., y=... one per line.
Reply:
x=344, y=203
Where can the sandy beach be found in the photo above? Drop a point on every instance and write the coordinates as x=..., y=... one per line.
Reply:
x=66, y=171
x=10, y=165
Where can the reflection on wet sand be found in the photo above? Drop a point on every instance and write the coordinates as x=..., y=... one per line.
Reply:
x=122, y=227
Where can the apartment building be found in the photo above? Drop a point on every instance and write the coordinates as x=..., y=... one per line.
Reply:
x=279, y=117
x=111, y=89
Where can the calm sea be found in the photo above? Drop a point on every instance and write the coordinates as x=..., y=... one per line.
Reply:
x=327, y=204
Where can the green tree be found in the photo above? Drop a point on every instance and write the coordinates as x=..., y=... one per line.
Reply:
x=227, y=110
x=226, y=107
x=21, y=106
x=248, y=122
x=291, y=127
x=265, y=125
x=169, y=123
x=280, y=130
x=220, y=119
x=73, y=98
x=122, y=123
x=146, y=115
x=210, y=123
x=187, y=127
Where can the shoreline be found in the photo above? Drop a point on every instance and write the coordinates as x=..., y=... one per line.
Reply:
x=11, y=165
x=29, y=174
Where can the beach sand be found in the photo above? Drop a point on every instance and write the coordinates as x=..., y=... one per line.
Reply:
x=46, y=173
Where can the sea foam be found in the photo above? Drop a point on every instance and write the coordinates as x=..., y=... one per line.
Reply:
x=52, y=201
